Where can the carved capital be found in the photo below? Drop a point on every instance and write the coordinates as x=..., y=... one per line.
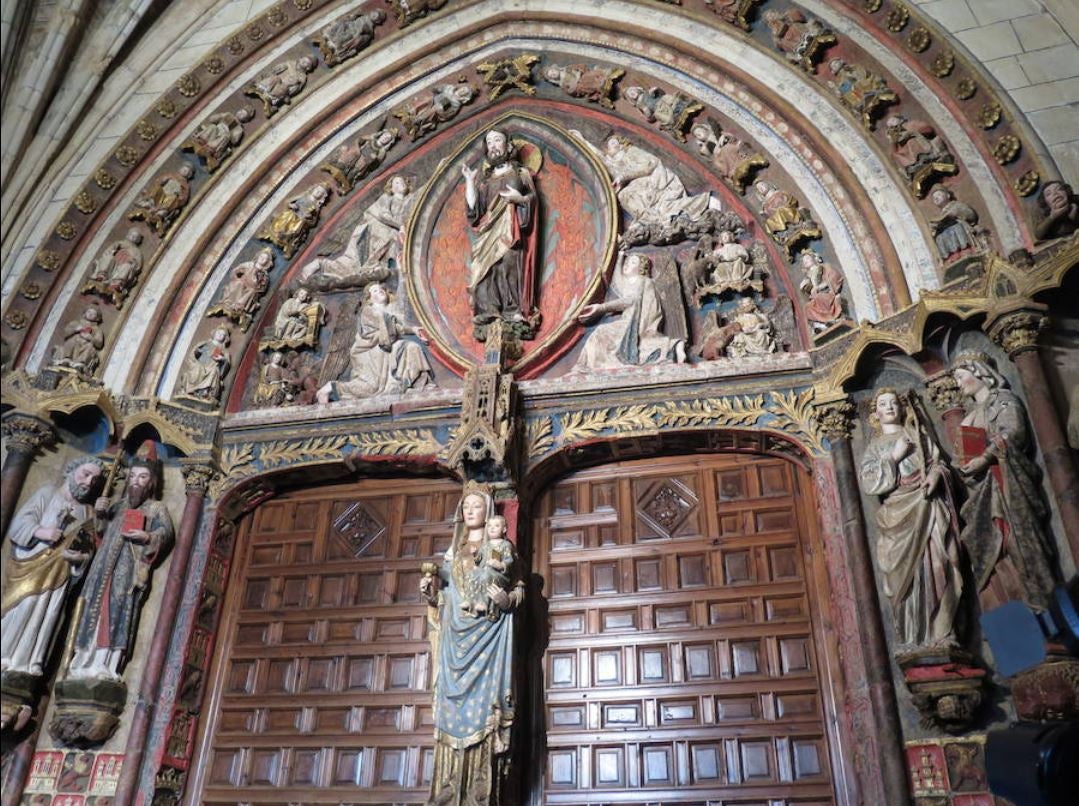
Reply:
x=944, y=392
x=835, y=418
x=1018, y=331
x=197, y=477
x=26, y=433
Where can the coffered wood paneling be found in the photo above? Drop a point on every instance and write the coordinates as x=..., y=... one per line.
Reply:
x=681, y=665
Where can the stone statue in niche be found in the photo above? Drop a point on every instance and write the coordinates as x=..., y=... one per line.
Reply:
x=1059, y=208
x=1005, y=514
x=917, y=524
x=503, y=210
x=821, y=286
x=785, y=219
x=348, y=35
x=161, y=203
x=82, y=344
x=290, y=227
x=719, y=265
x=204, y=371
x=635, y=335
x=423, y=115
x=116, y=270
x=863, y=93
x=52, y=540
x=661, y=209
x=919, y=151
x=216, y=136
x=244, y=290
x=139, y=531
x=278, y=85
x=589, y=82
x=734, y=159
x=956, y=229
x=408, y=11
x=473, y=660
x=373, y=250
x=352, y=162
x=736, y=12
x=383, y=361
x=297, y=322
x=671, y=110
x=284, y=380
x=801, y=39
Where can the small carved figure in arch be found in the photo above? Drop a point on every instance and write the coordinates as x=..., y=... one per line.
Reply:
x=348, y=35
x=590, y=82
x=116, y=270
x=161, y=203
x=785, y=220
x=290, y=227
x=352, y=162
x=297, y=323
x=243, y=292
x=82, y=343
x=1059, y=208
x=801, y=39
x=920, y=152
x=735, y=160
x=863, y=93
x=671, y=110
x=205, y=369
x=423, y=115
x=278, y=85
x=956, y=230
x=215, y=137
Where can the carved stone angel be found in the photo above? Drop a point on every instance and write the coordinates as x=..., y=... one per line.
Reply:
x=785, y=220
x=734, y=159
x=671, y=110
x=216, y=136
x=348, y=35
x=278, y=85
x=244, y=290
x=116, y=269
x=862, y=92
x=290, y=227
x=161, y=203
x=351, y=162
x=592, y=83
x=423, y=115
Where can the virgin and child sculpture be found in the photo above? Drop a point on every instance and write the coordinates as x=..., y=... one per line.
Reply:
x=471, y=602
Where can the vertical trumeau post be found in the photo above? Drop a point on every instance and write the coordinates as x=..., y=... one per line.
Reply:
x=1016, y=331
x=835, y=420
x=25, y=435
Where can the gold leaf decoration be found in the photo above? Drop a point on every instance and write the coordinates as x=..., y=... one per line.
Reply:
x=302, y=5
x=254, y=32
x=965, y=89
x=897, y=18
x=49, y=261
x=872, y=6
x=31, y=290
x=578, y=425
x=1028, y=183
x=214, y=65
x=66, y=230
x=167, y=108
x=188, y=85
x=733, y=411
x=146, y=130
x=84, y=202
x=281, y=452
x=989, y=116
x=1007, y=149
x=126, y=156
x=919, y=39
x=406, y=442
x=943, y=64
x=539, y=436
x=793, y=412
x=16, y=320
x=235, y=457
x=276, y=16
x=104, y=180
x=235, y=46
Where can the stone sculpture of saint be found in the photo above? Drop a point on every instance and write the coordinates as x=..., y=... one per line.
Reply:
x=205, y=369
x=161, y=203
x=503, y=211
x=1004, y=516
x=289, y=228
x=276, y=86
x=917, y=525
x=297, y=323
x=139, y=530
x=956, y=229
x=383, y=361
x=821, y=285
x=83, y=340
x=52, y=539
x=248, y=282
x=116, y=269
x=634, y=335
x=473, y=663
x=216, y=136
x=753, y=333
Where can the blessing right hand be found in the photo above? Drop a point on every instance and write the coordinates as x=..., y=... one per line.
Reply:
x=48, y=534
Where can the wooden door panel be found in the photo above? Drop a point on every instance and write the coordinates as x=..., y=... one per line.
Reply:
x=680, y=666
x=322, y=675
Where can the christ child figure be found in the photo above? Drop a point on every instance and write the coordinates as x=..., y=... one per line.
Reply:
x=495, y=558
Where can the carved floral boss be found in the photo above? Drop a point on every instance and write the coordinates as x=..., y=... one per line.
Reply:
x=577, y=224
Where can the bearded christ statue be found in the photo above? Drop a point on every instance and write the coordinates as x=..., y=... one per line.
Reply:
x=503, y=212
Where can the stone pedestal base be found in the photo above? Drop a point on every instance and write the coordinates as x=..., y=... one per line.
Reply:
x=1049, y=691
x=87, y=711
x=18, y=694
x=946, y=684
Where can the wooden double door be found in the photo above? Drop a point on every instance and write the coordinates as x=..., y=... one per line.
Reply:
x=671, y=658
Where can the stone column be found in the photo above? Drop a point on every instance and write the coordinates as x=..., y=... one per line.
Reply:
x=25, y=435
x=1017, y=333
x=197, y=477
x=835, y=421
x=948, y=400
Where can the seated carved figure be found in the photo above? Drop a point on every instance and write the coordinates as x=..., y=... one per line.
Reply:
x=671, y=110
x=801, y=39
x=821, y=285
x=116, y=270
x=592, y=83
x=278, y=85
x=785, y=220
x=860, y=91
x=297, y=323
x=290, y=227
x=955, y=230
x=734, y=159
x=216, y=136
x=919, y=151
x=82, y=342
x=348, y=35
x=242, y=293
x=161, y=203
x=204, y=371
x=351, y=162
